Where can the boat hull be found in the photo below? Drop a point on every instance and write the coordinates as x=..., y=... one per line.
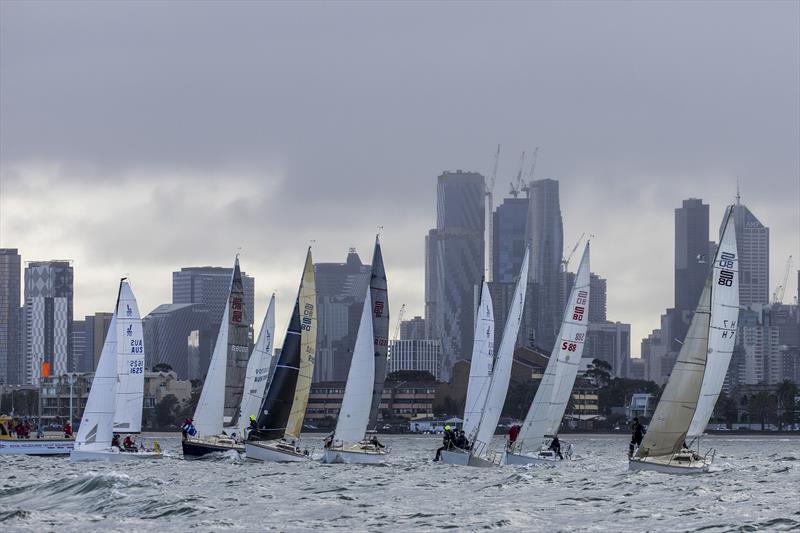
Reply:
x=271, y=451
x=201, y=447
x=517, y=459
x=111, y=456
x=693, y=467
x=36, y=446
x=463, y=458
x=345, y=456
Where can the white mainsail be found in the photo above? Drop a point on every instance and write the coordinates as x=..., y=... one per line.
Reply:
x=724, y=316
x=670, y=423
x=547, y=410
x=210, y=407
x=354, y=414
x=97, y=423
x=480, y=368
x=130, y=363
x=501, y=373
x=258, y=367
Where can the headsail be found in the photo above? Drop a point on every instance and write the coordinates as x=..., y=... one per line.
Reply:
x=354, y=414
x=480, y=368
x=379, y=299
x=308, y=349
x=722, y=333
x=130, y=363
x=501, y=373
x=97, y=423
x=258, y=366
x=547, y=410
x=670, y=423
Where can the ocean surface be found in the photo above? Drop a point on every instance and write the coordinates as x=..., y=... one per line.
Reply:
x=754, y=485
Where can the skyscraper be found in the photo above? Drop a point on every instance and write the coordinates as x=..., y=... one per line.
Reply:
x=341, y=288
x=509, y=222
x=179, y=335
x=10, y=262
x=455, y=263
x=752, y=242
x=545, y=236
x=691, y=264
x=48, y=318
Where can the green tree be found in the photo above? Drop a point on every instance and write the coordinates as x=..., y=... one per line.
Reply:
x=762, y=407
x=599, y=372
x=166, y=411
x=725, y=410
x=785, y=396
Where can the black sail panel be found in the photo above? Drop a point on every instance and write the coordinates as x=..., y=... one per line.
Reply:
x=238, y=347
x=277, y=405
x=380, y=329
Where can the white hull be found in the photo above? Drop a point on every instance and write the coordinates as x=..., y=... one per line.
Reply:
x=353, y=456
x=36, y=446
x=515, y=459
x=463, y=458
x=273, y=451
x=112, y=456
x=699, y=466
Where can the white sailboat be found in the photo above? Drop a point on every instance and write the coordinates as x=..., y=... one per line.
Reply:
x=349, y=444
x=494, y=382
x=218, y=389
x=255, y=381
x=96, y=432
x=547, y=409
x=663, y=447
x=722, y=335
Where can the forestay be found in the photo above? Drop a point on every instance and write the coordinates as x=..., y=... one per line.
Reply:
x=548, y=406
x=724, y=316
x=130, y=363
x=354, y=414
x=670, y=423
x=480, y=369
x=258, y=366
x=501, y=373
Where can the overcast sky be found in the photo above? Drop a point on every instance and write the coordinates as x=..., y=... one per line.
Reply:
x=136, y=138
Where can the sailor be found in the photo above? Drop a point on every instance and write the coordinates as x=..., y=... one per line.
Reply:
x=461, y=439
x=128, y=444
x=374, y=442
x=67, y=430
x=39, y=430
x=447, y=442
x=637, y=433
x=329, y=441
x=115, y=440
x=187, y=429
x=555, y=445
x=513, y=433
x=253, y=424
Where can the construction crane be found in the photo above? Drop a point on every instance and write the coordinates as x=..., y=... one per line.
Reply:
x=399, y=321
x=518, y=185
x=526, y=186
x=490, y=208
x=780, y=290
x=565, y=261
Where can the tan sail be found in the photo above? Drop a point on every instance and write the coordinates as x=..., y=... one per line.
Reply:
x=670, y=423
x=308, y=349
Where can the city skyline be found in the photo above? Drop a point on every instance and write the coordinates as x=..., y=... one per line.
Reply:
x=626, y=149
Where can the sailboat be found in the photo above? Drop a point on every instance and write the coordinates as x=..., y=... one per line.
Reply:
x=547, y=409
x=258, y=367
x=123, y=342
x=349, y=444
x=224, y=385
x=663, y=447
x=721, y=337
x=489, y=377
x=280, y=417
x=380, y=329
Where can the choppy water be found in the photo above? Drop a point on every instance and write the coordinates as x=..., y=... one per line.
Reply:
x=754, y=486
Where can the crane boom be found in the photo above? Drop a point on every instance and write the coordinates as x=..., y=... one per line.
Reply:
x=780, y=290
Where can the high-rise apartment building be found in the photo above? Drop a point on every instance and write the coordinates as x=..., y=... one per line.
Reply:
x=413, y=329
x=455, y=264
x=10, y=357
x=609, y=342
x=341, y=288
x=545, y=236
x=181, y=336
x=96, y=326
x=48, y=318
x=508, y=240
x=210, y=287
x=415, y=354
x=691, y=263
x=752, y=243
x=79, y=345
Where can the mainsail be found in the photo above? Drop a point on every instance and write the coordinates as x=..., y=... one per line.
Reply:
x=255, y=382
x=354, y=414
x=230, y=351
x=501, y=373
x=130, y=364
x=724, y=315
x=547, y=410
x=670, y=423
x=97, y=423
x=480, y=368
x=308, y=349
x=380, y=328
